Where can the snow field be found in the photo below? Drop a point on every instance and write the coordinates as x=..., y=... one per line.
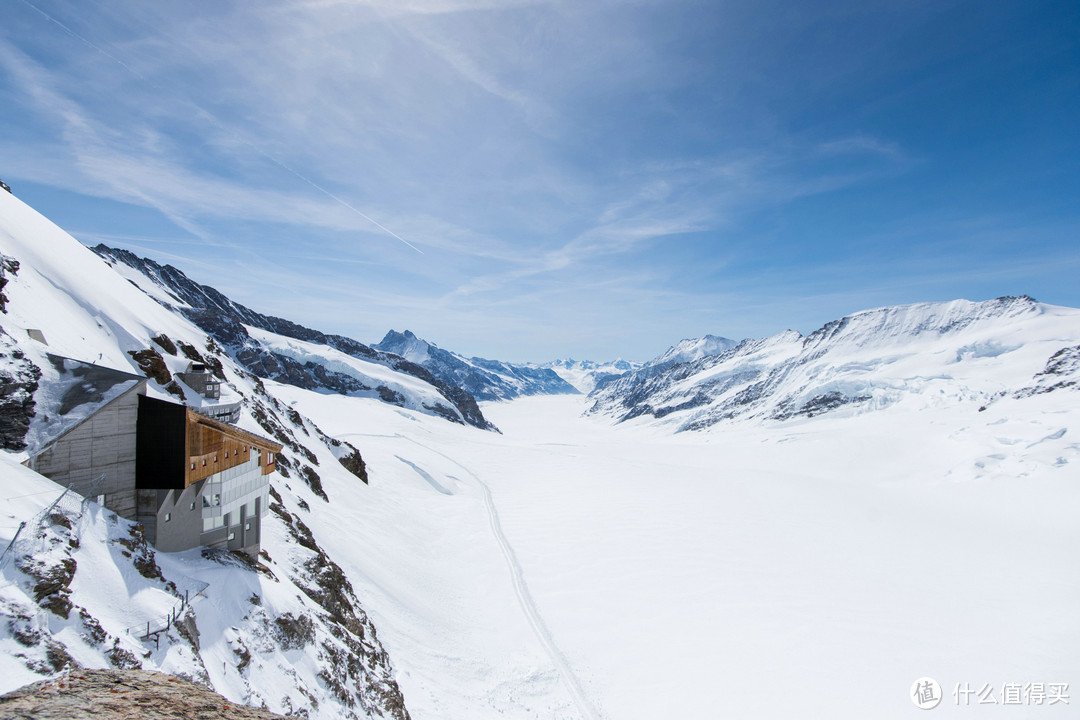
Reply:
x=808, y=568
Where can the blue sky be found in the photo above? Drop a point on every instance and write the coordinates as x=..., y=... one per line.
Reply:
x=589, y=178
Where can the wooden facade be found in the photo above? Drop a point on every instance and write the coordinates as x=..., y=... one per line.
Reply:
x=214, y=446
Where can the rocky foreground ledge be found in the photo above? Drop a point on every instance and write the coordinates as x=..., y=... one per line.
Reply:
x=123, y=695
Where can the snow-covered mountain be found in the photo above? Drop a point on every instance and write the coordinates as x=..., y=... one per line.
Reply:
x=278, y=349
x=494, y=576
x=483, y=379
x=691, y=349
x=586, y=375
x=286, y=631
x=926, y=353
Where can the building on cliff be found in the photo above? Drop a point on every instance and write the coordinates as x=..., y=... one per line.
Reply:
x=191, y=479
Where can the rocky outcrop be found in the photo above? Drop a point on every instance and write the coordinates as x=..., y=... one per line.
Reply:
x=8, y=266
x=153, y=366
x=18, y=382
x=123, y=695
x=357, y=668
x=1062, y=371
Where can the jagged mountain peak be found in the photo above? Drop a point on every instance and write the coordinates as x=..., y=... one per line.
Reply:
x=406, y=344
x=690, y=349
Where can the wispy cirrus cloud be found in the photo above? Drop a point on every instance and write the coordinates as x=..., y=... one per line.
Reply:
x=544, y=156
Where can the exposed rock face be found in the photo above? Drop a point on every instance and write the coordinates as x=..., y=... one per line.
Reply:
x=358, y=670
x=18, y=376
x=8, y=266
x=18, y=382
x=123, y=695
x=354, y=463
x=153, y=366
x=1062, y=371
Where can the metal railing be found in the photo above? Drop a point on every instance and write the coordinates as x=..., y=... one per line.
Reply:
x=68, y=502
x=153, y=629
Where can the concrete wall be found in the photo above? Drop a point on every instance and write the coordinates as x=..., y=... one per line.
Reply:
x=103, y=443
x=173, y=518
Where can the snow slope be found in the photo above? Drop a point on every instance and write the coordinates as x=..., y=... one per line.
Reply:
x=256, y=637
x=815, y=568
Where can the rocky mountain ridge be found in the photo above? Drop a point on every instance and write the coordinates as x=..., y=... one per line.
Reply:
x=227, y=322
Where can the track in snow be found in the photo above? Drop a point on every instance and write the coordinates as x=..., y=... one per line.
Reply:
x=525, y=600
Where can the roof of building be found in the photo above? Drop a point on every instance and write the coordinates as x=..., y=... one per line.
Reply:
x=70, y=392
x=74, y=390
x=250, y=437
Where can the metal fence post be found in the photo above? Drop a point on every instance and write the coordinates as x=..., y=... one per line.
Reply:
x=12, y=543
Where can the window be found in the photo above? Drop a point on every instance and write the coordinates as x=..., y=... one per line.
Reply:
x=168, y=517
x=232, y=536
x=215, y=458
x=192, y=466
x=204, y=462
x=247, y=526
x=212, y=523
x=192, y=506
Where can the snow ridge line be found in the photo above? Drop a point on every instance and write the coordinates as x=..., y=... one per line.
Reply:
x=525, y=600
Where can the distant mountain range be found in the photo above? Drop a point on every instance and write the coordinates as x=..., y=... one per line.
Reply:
x=483, y=379
x=587, y=375
x=961, y=351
